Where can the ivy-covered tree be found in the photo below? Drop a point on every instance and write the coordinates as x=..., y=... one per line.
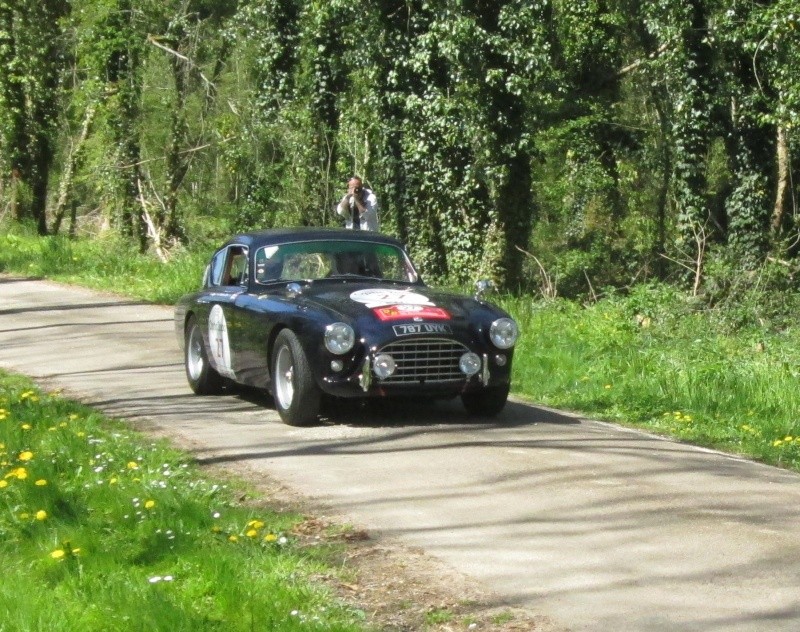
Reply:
x=593, y=142
x=30, y=41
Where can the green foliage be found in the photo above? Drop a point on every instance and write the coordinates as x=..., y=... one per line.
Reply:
x=634, y=130
x=656, y=360
x=113, y=264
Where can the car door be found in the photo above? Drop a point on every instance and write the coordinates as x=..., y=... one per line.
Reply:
x=227, y=279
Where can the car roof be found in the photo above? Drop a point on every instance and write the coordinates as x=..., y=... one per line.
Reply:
x=274, y=236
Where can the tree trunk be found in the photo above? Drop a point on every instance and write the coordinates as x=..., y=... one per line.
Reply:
x=65, y=185
x=783, y=180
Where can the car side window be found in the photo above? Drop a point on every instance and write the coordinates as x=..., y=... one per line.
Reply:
x=229, y=267
x=236, y=266
x=216, y=267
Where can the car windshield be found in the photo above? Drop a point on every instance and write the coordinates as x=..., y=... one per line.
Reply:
x=332, y=259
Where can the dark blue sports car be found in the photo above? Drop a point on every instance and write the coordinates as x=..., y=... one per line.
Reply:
x=310, y=312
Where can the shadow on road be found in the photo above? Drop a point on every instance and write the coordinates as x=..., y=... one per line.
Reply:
x=401, y=412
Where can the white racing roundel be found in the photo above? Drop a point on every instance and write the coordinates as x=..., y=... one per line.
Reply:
x=219, y=341
x=380, y=298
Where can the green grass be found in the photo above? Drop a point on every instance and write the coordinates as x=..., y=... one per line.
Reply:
x=669, y=368
x=103, y=529
x=106, y=263
x=652, y=359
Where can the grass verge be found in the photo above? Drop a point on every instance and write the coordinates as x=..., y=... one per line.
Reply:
x=652, y=360
x=103, y=529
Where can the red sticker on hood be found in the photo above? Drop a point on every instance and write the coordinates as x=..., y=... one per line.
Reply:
x=401, y=312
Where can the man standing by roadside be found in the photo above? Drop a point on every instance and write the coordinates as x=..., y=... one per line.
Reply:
x=359, y=206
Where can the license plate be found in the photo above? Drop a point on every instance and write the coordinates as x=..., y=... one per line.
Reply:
x=421, y=328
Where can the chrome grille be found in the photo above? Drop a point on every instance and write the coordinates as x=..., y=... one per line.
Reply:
x=425, y=360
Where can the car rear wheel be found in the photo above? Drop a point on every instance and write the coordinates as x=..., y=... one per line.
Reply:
x=297, y=396
x=487, y=402
x=203, y=378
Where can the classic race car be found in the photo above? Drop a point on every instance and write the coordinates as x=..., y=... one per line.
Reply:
x=307, y=312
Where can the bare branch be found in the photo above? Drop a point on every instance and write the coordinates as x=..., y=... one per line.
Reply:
x=191, y=64
x=634, y=65
x=153, y=231
x=183, y=151
x=548, y=288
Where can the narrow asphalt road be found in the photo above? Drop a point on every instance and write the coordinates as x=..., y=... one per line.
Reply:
x=596, y=527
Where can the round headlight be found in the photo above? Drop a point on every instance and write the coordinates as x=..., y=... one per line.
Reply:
x=470, y=363
x=339, y=338
x=383, y=365
x=503, y=333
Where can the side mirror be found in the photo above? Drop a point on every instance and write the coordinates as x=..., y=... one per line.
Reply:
x=484, y=286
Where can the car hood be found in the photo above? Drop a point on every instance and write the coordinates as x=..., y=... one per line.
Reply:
x=392, y=302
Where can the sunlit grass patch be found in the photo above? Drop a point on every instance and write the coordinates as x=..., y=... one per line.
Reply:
x=107, y=263
x=672, y=370
x=103, y=529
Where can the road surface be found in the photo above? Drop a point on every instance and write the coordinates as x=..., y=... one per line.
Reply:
x=591, y=525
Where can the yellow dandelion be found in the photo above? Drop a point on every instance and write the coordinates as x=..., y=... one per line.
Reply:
x=256, y=524
x=25, y=456
x=777, y=442
x=2, y=446
x=251, y=533
x=41, y=483
x=270, y=537
x=3, y=483
x=149, y=504
x=73, y=417
x=215, y=530
x=58, y=554
x=607, y=386
x=788, y=438
x=63, y=424
x=19, y=473
x=133, y=465
x=80, y=434
x=113, y=480
x=41, y=515
x=25, y=426
x=233, y=538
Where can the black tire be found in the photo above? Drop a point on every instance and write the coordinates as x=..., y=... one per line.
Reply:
x=486, y=403
x=202, y=377
x=297, y=396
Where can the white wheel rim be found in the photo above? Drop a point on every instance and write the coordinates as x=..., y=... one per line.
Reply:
x=194, y=354
x=284, y=378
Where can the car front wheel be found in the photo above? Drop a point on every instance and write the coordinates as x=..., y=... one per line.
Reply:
x=297, y=396
x=487, y=402
x=203, y=378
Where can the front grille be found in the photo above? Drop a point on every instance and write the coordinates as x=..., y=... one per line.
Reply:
x=425, y=361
